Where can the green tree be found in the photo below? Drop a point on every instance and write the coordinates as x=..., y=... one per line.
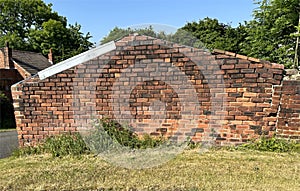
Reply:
x=19, y=17
x=181, y=36
x=64, y=42
x=214, y=34
x=118, y=33
x=32, y=25
x=207, y=33
x=270, y=33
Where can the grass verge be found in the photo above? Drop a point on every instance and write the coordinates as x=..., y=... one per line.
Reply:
x=6, y=130
x=212, y=170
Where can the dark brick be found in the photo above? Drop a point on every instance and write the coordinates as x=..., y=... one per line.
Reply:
x=197, y=130
x=235, y=94
x=237, y=85
x=233, y=127
x=162, y=130
x=207, y=112
x=220, y=139
x=235, y=76
x=246, y=113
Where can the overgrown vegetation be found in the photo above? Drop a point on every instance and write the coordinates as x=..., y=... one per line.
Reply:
x=57, y=146
x=106, y=134
x=109, y=133
x=272, y=144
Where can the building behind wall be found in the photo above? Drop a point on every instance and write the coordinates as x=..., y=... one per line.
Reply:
x=16, y=66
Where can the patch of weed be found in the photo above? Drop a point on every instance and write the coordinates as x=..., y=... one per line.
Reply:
x=272, y=144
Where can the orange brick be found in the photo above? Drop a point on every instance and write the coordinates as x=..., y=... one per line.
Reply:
x=249, y=94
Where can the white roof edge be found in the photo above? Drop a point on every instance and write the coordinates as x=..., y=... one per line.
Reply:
x=76, y=60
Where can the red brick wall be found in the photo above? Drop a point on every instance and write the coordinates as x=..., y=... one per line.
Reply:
x=242, y=86
x=250, y=98
x=43, y=108
x=288, y=125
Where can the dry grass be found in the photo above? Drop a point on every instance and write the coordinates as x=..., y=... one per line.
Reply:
x=213, y=170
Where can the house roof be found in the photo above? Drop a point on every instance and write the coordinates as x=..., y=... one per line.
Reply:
x=30, y=61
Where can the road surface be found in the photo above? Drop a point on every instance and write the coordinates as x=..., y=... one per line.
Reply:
x=8, y=142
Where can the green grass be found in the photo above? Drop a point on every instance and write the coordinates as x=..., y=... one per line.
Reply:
x=5, y=130
x=64, y=162
x=212, y=170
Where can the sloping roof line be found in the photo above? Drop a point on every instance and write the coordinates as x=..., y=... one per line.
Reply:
x=110, y=46
x=217, y=51
x=24, y=73
x=76, y=60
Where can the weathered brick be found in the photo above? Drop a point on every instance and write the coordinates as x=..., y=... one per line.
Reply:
x=245, y=88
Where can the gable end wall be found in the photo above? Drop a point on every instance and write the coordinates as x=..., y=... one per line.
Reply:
x=253, y=92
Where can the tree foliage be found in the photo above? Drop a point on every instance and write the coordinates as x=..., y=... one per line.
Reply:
x=207, y=33
x=270, y=33
x=214, y=34
x=180, y=36
x=32, y=25
x=118, y=33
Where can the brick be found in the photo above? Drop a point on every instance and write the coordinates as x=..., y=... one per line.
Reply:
x=231, y=90
x=243, y=118
x=266, y=75
x=242, y=66
x=235, y=94
x=249, y=104
x=234, y=76
x=232, y=71
x=277, y=66
x=254, y=75
x=227, y=66
x=264, y=105
x=248, y=86
x=242, y=126
x=257, y=100
x=249, y=94
x=243, y=99
x=236, y=122
x=247, y=71
x=247, y=113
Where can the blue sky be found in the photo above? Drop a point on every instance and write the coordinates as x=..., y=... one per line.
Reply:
x=100, y=16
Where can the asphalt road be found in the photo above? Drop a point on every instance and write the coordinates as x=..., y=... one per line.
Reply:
x=8, y=142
